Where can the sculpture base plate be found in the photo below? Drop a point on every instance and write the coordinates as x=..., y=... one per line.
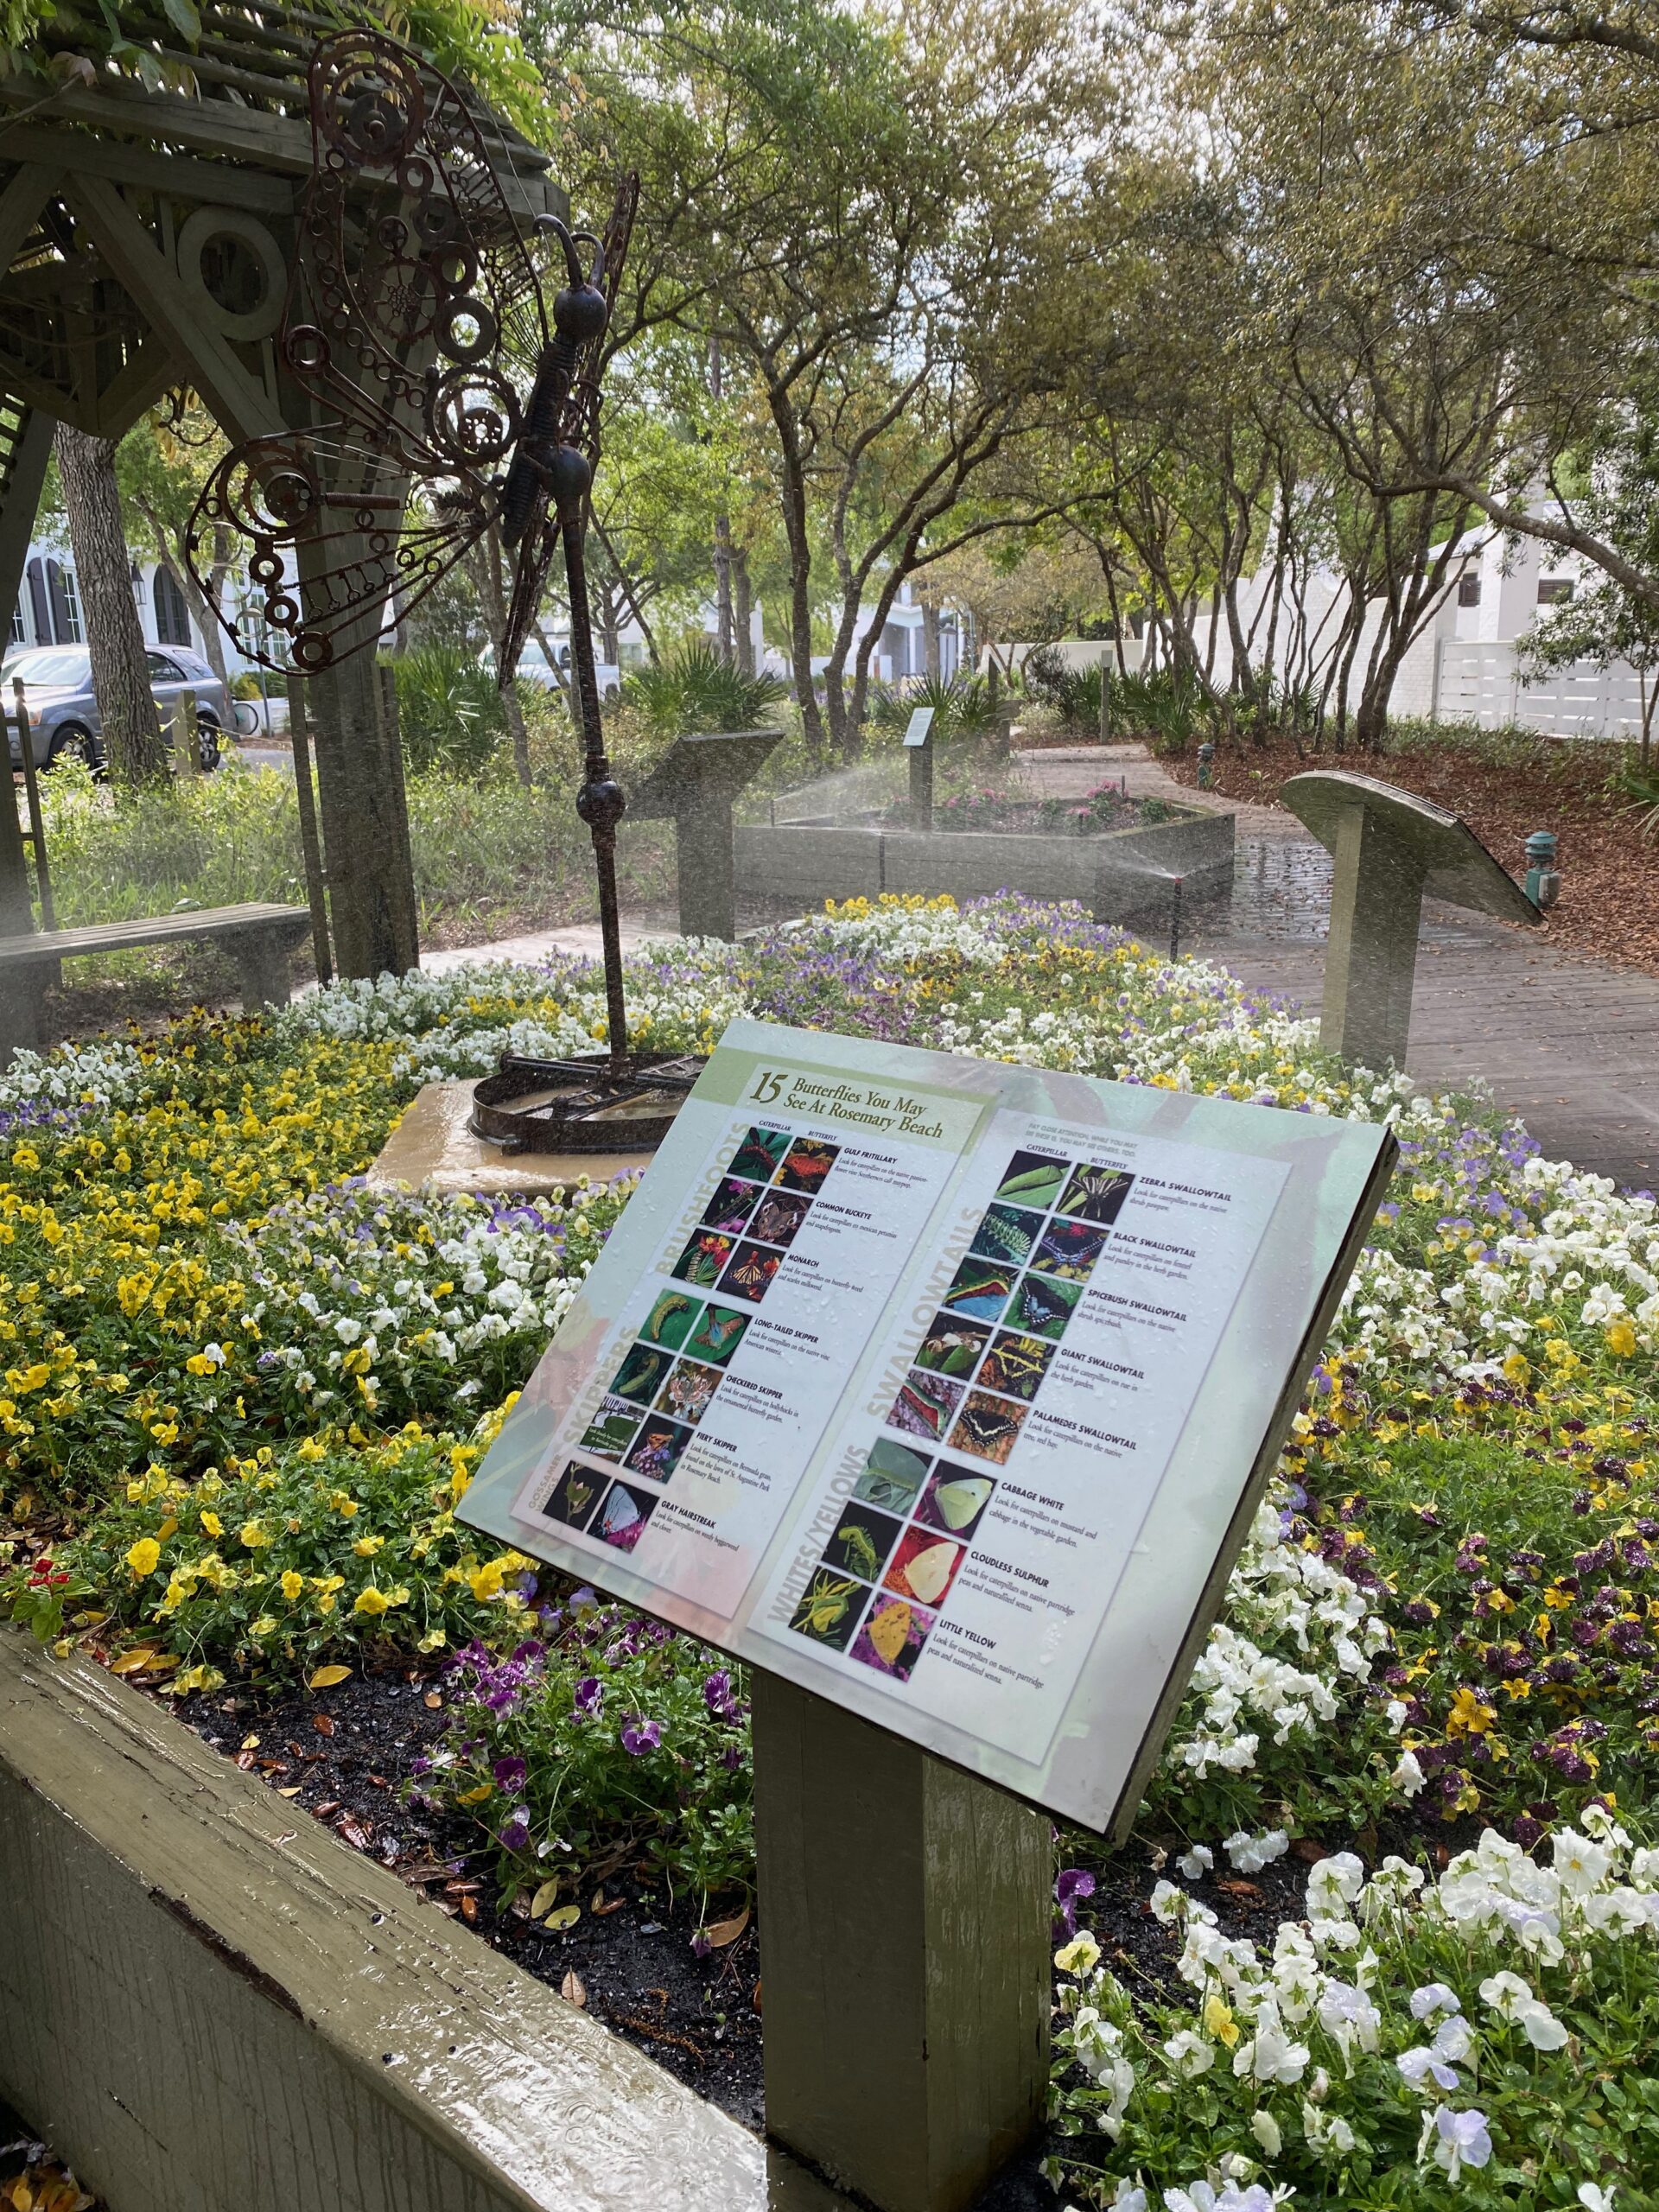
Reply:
x=432, y=1148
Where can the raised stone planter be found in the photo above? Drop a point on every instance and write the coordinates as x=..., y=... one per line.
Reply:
x=1116, y=876
x=208, y=2001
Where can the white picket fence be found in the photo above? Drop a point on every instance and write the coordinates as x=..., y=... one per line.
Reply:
x=1482, y=684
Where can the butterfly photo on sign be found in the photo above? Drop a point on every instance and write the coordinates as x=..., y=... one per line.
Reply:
x=828, y=1608
x=892, y=1636
x=891, y=1476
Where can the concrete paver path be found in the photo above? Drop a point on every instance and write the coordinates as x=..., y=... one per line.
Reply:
x=1571, y=1045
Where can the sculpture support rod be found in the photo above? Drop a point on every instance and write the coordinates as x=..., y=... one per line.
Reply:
x=599, y=803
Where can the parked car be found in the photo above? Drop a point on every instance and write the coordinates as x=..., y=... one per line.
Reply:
x=63, y=714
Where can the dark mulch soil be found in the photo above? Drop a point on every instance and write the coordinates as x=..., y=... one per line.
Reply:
x=344, y=1755
x=1609, y=905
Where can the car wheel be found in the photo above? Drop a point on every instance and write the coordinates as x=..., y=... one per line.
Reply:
x=207, y=743
x=74, y=741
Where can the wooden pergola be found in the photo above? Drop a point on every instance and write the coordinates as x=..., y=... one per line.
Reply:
x=146, y=238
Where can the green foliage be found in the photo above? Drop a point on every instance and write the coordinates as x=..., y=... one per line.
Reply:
x=1073, y=693
x=696, y=690
x=1639, y=787
x=263, y=1567
x=961, y=707
x=43, y=37
x=478, y=845
x=449, y=713
x=208, y=842
x=1166, y=708
x=614, y=1730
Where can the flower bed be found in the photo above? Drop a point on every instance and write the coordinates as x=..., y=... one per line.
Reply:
x=243, y=1394
x=1106, y=808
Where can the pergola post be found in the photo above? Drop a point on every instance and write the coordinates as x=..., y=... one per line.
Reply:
x=146, y=241
x=25, y=448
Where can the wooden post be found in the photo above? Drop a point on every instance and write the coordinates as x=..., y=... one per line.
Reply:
x=921, y=783
x=310, y=847
x=1377, y=891
x=370, y=895
x=904, y=1916
x=25, y=449
x=36, y=833
x=187, y=744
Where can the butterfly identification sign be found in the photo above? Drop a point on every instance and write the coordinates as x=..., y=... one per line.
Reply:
x=943, y=1388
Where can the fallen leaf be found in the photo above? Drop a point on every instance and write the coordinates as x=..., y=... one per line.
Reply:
x=755, y=2000
x=1236, y=1889
x=355, y=1834
x=294, y=1792
x=250, y=1743
x=130, y=1662
x=564, y=1916
x=326, y=1677
x=246, y=1760
x=603, y=1905
x=327, y=1809
x=720, y=1932
x=322, y=1724
x=573, y=1989
x=434, y=1702
x=475, y=1796
x=545, y=1896
x=469, y=1909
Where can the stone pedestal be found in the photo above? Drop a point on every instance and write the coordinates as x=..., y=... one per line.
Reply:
x=695, y=786
x=432, y=1148
x=1391, y=851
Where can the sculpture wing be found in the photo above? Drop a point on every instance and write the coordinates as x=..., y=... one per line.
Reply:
x=331, y=540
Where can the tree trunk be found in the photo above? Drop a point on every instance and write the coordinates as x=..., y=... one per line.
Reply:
x=114, y=639
x=800, y=566
x=486, y=564
x=743, y=611
x=723, y=625
x=930, y=643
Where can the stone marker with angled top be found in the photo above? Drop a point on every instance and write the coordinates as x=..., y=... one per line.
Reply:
x=1392, y=849
x=694, y=785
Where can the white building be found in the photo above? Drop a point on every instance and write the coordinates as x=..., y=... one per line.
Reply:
x=1465, y=665
x=48, y=610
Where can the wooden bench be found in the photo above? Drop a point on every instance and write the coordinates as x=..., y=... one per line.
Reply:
x=260, y=938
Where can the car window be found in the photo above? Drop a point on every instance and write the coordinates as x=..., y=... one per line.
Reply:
x=164, y=670
x=51, y=665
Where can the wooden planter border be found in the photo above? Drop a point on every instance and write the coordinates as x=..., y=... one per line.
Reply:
x=210, y=2004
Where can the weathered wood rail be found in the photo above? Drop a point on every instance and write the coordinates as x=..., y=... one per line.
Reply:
x=210, y=2004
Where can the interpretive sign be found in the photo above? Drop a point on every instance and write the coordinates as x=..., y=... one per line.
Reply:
x=920, y=727
x=942, y=1387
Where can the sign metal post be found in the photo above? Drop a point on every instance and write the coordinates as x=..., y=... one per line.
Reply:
x=918, y=741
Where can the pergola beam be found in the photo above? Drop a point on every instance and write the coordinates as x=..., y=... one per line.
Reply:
x=21, y=204
x=219, y=183
x=242, y=407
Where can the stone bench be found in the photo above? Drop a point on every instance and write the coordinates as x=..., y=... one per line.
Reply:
x=259, y=938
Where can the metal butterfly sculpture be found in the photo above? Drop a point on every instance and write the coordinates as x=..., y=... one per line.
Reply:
x=446, y=399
